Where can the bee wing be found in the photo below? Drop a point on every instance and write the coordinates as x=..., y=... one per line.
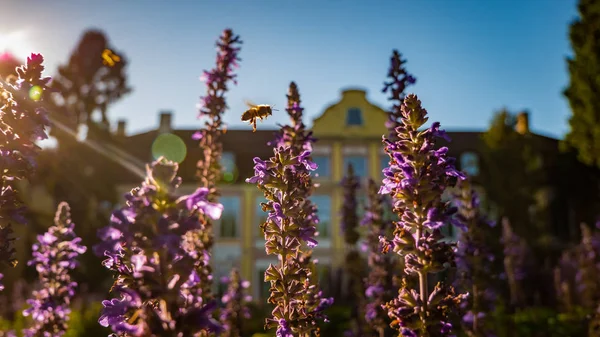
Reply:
x=249, y=103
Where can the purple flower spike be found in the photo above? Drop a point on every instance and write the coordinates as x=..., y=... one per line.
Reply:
x=155, y=261
x=475, y=261
x=23, y=122
x=355, y=264
x=380, y=280
x=235, y=302
x=54, y=257
x=287, y=185
x=399, y=80
x=416, y=179
x=517, y=260
x=209, y=172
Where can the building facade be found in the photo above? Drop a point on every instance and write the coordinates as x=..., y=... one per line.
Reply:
x=348, y=132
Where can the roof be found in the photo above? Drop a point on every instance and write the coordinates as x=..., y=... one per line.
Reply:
x=246, y=145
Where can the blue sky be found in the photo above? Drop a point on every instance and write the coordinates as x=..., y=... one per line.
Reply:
x=470, y=57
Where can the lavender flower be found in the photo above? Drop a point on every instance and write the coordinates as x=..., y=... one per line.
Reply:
x=23, y=121
x=236, y=305
x=212, y=107
x=399, y=80
x=155, y=274
x=417, y=177
x=286, y=183
x=380, y=281
x=54, y=256
x=475, y=260
x=354, y=262
x=516, y=262
x=587, y=277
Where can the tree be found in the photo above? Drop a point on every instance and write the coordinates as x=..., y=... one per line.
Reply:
x=584, y=86
x=89, y=83
x=512, y=172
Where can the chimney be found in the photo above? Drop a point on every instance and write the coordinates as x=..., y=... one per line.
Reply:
x=165, y=122
x=522, y=123
x=121, y=124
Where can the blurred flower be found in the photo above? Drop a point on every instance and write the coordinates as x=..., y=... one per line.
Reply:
x=475, y=260
x=399, y=80
x=23, y=122
x=380, y=286
x=517, y=259
x=354, y=262
x=155, y=267
x=235, y=301
x=54, y=256
x=211, y=109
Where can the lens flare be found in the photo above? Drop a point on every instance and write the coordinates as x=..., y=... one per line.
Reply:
x=169, y=146
x=35, y=93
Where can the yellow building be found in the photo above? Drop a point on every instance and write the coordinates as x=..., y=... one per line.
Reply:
x=348, y=131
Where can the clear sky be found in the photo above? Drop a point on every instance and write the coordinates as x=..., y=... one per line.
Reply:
x=470, y=57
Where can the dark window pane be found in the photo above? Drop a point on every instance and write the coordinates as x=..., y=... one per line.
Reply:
x=359, y=163
x=323, y=203
x=354, y=117
x=228, y=224
x=324, y=166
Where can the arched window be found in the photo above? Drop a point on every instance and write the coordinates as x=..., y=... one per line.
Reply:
x=469, y=163
x=354, y=117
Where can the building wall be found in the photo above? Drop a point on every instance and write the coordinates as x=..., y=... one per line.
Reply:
x=347, y=131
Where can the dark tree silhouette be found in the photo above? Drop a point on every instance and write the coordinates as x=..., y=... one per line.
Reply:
x=583, y=91
x=87, y=85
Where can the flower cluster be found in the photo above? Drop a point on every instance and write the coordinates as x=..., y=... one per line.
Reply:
x=212, y=107
x=235, y=302
x=144, y=246
x=399, y=80
x=54, y=257
x=380, y=281
x=517, y=259
x=354, y=262
x=286, y=183
x=416, y=179
x=23, y=121
x=474, y=259
x=587, y=276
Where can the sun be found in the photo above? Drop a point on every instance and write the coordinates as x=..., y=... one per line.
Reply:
x=15, y=42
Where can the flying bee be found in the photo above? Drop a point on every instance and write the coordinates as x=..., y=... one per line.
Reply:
x=261, y=111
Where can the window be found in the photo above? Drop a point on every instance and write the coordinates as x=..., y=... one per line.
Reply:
x=324, y=276
x=384, y=161
x=228, y=166
x=263, y=287
x=323, y=203
x=361, y=201
x=388, y=205
x=469, y=163
x=354, y=117
x=228, y=224
x=359, y=163
x=260, y=218
x=324, y=166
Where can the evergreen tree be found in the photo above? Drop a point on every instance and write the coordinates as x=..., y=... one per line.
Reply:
x=583, y=91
